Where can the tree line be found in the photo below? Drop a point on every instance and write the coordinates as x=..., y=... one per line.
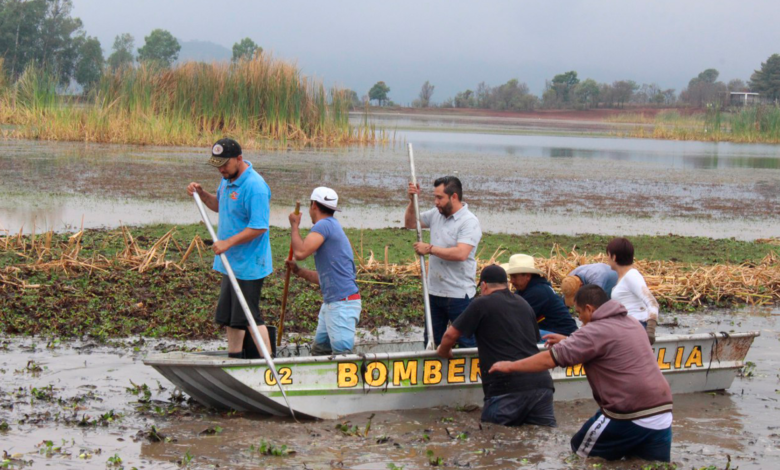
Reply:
x=44, y=33
x=567, y=91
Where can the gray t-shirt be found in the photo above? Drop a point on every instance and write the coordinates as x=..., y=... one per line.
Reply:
x=454, y=279
x=597, y=273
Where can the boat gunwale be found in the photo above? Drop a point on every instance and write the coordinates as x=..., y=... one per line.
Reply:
x=201, y=360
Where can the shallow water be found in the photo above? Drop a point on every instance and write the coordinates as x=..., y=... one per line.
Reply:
x=514, y=183
x=741, y=422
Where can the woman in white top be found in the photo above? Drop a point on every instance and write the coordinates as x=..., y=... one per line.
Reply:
x=631, y=289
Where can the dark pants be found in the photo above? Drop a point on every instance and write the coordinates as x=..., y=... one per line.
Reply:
x=518, y=408
x=445, y=310
x=229, y=311
x=612, y=440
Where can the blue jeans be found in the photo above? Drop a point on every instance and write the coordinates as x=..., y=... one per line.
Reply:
x=336, y=327
x=527, y=407
x=612, y=440
x=445, y=310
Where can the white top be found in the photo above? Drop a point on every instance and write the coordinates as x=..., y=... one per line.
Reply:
x=454, y=279
x=657, y=422
x=632, y=292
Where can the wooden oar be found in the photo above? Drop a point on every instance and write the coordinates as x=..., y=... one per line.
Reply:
x=280, y=327
x=426, y=299
x=237, y=290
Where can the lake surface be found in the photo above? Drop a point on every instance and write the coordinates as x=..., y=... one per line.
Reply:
x=515, y=183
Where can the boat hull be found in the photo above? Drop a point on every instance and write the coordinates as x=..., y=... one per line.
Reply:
x=384, y=378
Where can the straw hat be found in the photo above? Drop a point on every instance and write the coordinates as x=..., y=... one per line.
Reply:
x=521, y=264
x=569, y=287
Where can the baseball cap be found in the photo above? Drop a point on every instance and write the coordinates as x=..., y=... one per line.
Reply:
x=493, y=274
x=222, y=151
x=327, y=197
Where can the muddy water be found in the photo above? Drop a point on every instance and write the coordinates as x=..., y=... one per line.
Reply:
x=515, y=183
x=91, y=380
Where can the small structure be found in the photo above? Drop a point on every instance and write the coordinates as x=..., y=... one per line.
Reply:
x=744, y=98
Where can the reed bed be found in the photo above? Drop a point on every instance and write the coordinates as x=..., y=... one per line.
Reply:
x=755, y=124
x=263, y=102
x=674, y=284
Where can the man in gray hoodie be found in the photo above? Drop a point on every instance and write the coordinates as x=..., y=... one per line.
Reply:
x=635, y=401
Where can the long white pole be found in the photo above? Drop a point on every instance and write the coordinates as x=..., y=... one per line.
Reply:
x=237, y=289
x=426, y=299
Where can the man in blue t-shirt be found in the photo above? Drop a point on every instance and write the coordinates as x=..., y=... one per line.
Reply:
x=335, y=274
x=243, y=202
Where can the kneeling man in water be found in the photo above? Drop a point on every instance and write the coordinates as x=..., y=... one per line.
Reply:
x=335, y=274
x=506, y=330
x=635, y=419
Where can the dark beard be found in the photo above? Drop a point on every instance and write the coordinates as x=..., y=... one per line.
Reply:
x=446, y=211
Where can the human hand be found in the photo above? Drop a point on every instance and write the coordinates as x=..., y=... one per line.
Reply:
x=412, y=190
x=292, y=265
x=422, y=248
x=295, y=219
x=504, y=367
x=443, y=352
x=220, y=246
x=651, y=325
x=193, y=188
x=553, y=338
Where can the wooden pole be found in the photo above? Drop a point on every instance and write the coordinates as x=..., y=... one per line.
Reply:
x=280, y=326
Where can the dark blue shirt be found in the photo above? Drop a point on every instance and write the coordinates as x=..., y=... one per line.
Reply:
x=551, y=313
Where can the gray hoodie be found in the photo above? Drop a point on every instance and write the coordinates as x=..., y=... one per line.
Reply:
x=619, y=363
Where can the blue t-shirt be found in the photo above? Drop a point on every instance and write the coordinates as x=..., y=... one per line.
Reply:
x=334, y=261
x=597, y=273
x=245, y=203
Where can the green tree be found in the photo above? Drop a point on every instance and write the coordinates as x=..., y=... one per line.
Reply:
x=379, y=93
x=704, y=89
x=563, y=84
x=623, y=90
x=160, y=48
x=123, y=52
x=89, y=67
x=586, y=93
x=767, y=80
x=41, y=32
x=245, y=49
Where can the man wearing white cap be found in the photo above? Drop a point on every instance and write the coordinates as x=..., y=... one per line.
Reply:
x=335, y=274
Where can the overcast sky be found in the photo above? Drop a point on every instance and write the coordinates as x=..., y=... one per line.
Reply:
x=457, y=44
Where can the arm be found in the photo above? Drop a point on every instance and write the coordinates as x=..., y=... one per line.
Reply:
x=210, y=200
x=447, y=342
x=410, y=221
x=303, y=248
x=307, y=274
x=455, y=253
x=536, y=363
x=244, y=236
x=638, y=287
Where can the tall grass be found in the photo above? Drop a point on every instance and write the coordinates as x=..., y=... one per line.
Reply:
x=756, y=124
x=263, y=102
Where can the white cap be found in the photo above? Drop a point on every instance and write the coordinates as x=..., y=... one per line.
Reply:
x=327, y=197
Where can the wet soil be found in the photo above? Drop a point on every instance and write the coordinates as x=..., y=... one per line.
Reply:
x=579, y=187
x=68, y=393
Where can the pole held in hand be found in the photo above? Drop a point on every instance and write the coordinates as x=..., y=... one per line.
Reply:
x=237, y=289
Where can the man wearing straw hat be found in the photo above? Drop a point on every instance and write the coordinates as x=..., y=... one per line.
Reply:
x=452, y=267
x=243, y=202
x=553, y=316
x=336, y=274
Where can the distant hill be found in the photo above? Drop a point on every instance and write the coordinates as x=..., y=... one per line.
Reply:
x=203, y=51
